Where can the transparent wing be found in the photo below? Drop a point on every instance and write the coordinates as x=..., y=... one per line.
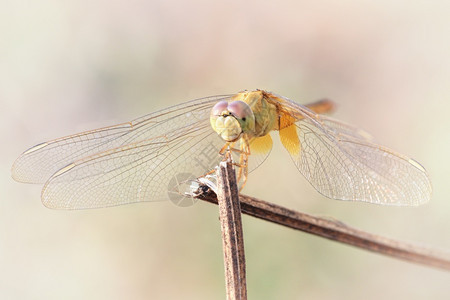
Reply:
x=345, y=130
x=341, y=162
x=149, y=170
x=151, y=158
x=38, y=163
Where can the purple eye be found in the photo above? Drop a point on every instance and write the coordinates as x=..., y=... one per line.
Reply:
x=240, y=109
x=219, y=108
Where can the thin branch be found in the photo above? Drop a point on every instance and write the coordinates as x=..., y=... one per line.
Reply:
x=232, y=236
x=337, y=231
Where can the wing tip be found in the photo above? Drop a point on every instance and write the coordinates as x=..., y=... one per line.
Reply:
x=20, y=175
x=19, y=168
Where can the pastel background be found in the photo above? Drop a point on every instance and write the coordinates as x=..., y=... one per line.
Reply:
x=68, y=66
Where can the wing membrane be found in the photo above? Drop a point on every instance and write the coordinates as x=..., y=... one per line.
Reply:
x=38, y=163
x=142, y=160
x=143, y=171
x=341, y=162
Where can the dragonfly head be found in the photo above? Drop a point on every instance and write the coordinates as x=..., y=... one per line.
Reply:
x=231, y=119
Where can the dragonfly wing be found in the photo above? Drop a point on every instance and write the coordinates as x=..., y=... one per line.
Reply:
x=152, y=158
x=149, y=170
x=345, y=130
x=260, y=149
x=342, y=163
x=38, y=163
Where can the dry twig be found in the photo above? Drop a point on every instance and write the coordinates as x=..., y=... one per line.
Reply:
x=232, y=236
x=335, y=230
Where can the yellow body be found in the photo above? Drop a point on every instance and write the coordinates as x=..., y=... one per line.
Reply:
x=269, y=115
x=262, y=113
x=266, y=113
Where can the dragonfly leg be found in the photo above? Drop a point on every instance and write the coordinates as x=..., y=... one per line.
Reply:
x=244, y=152
x=227, y=146
x=243, y=161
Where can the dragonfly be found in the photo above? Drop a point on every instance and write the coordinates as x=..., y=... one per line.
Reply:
x=159, y=156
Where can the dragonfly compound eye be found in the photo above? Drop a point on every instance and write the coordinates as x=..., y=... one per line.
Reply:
x=219, y=108
x=240, y=110
x=244, y=114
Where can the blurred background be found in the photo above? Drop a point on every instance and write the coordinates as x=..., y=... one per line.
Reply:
x=68, y=66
